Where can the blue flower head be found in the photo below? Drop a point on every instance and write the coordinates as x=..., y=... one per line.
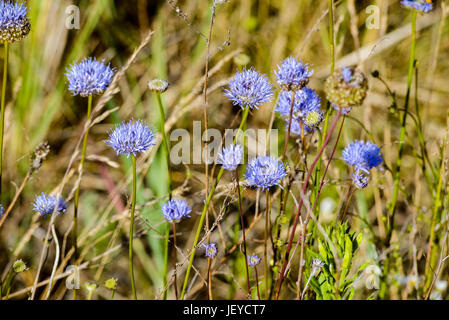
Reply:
x=46, y=205
x=249, y=89
x=420, y=5
x=265, y=172
x=210, y=250
x=362, y=155
x=253, y=260
x=89, y=77
x=230, y=157
x=131, y=138
x=14, y=23
x=2, y=210
x=292, y=74
x=175, y=210
x=306, y=100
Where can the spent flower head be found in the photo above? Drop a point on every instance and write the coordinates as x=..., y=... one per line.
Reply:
x=158, y=85
x=293, y=74
x=14, y=23
x=175, y=210
x=89, y=77
x=420, y=5
x=362, y=155
x=39, y=155
x=249, y=89
x=346, y=88
x=253, y=260
x=131, y=138
x=210, y=250
x=46, y=205
x=230, y=157
x=265, y=172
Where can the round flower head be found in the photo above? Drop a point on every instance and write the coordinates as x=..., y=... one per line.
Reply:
x=265, y=172
x=46, y=205
x=346, y=88
x=420, y=5
x=158, y=85
x=175, y=210
x=2, y=210
x=14, y=23
x=249, y=89
x=253, y=260
x=230, y=157
x=210, y=250
x=306, y=100
x=89, y=77
x=132, y=137
x=362, y=155
x=292, y=74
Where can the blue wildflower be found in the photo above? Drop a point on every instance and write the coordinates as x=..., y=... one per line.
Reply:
x=249, y=89
x=306, y=100
x=2, y=210
x=230, y=157
x=210, y=250
x=264, y=172
x=293, y=74
x=175, y=210
x=14, y=23
x=362, y=155
x=131, y=138
x=46, y=205
x=420, y=5
x=253, y=260
x=89, y=77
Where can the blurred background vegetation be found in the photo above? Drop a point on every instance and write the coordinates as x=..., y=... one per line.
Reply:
x=41, y=109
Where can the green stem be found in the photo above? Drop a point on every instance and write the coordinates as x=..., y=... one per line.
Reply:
x=112, y=294
x=77, y=192
x=237, y=181
x=206, y=206
x=394, y=200
x=2, y=123
x=331, y=34
x=166, y=143
x=131, y=228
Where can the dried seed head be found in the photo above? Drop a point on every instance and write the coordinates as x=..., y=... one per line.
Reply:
x=158, y=85
x=346, y=88
x=39, y=155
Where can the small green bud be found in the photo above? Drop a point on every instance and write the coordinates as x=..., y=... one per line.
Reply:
x=19, y=266
x=313, y=119
x=242, y=59
x=158, y=85
x=90, y=286
x=111, y=284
